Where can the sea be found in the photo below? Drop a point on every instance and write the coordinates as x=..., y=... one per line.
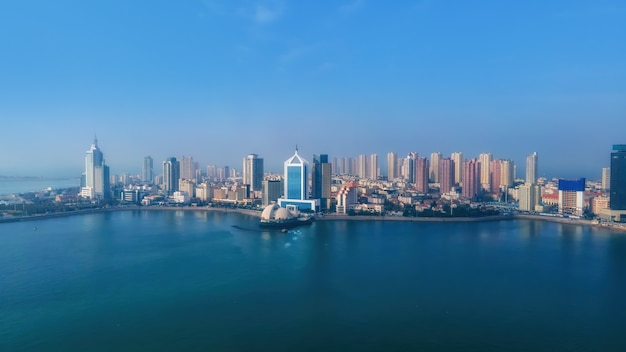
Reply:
x=23, y=185
x=140, y=280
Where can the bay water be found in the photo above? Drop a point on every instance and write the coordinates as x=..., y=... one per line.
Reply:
x=190, y=280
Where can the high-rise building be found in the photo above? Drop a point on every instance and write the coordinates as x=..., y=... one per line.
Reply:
x=532, y=167
x=507, y=173
x=227, y=173
x=434, y=166
x=529, y=197
x=373, y=167
x=335, y=166
x=606, y=178
x=571, y=197
x=211, y=172
x=421, y=175
x=392, y=166
x=171, y=175
x=496, y=175
x=458, y=159
x=96, y=183
x=471, y=179
x=485, y=174
x=362, y=166
x=147, y=171
x=253, y=172
x=187, y=168
x=321, y=179
x=296, y=177
x=618, y=178
x=272, y=190
x=408, y=167
x=446, y=175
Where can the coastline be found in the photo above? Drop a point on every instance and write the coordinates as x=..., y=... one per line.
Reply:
x=328, y=217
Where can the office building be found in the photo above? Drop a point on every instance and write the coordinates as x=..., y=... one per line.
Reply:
x=408, y=167
x=485, y=174
x=507, y=174
x=96, y=180
x=571, y=197
x=421, y=175
x=617, y=184
x=434, y=166
x=187, y=168
x=171, y=175
x=392, y=166
x=471, y=179
x=446, y=175
x=147, y=171
x=458, y=159
x=253, y=172
x=272, y=191
x=321, y=177
x=532, y=163
x=295, y=187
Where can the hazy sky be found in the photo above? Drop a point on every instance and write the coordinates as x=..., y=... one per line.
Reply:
x=220, y=79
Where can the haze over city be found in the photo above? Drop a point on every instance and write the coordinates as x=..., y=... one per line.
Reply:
x=218, y=80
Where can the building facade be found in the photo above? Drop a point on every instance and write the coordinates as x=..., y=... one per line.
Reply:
x=253, y=172
x=618, y=178
x=171, y=175
x=532, y=166
x=485, y=172
x=392, y=166
x=471, y=179
x=434, y=166
x=529, y=196
x=421, y=175
x=571, y=197
x=147, y=171
x=321, y=177
x=458, y=159
x=96, y=179
x=446, y=175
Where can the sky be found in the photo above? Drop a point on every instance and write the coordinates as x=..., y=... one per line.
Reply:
x=218, y=80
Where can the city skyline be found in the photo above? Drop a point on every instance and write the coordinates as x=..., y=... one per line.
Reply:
x=505, y=78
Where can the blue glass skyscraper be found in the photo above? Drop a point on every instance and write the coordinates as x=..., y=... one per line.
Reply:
x=296, y=176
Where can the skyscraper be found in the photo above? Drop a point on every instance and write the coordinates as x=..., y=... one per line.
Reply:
x=96, y=179
x=392, y=166
x=532, y=167
x=529, y=197
x=253, y=172
x=496, y=175
x=421, y=175
x=187, y=168
x=408, y=167
x=147, y=171
x=171, y=175
x=362, y=166
x=373, y=167
x=485, y=174
x=618, y=178
x=272, y=190
x=434, y=166
x=446, y=175
x=507, y=173
x=458, y=159
x=296, y=176
x=471, y=179
x=606, y=178
x=321, y=178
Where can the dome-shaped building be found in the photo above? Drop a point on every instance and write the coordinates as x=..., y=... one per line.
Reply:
x=275, y=215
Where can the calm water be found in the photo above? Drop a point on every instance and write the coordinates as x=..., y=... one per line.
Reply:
x=131, y=281
x=33, y=185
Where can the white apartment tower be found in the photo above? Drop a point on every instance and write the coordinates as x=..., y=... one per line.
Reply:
x=532, y=168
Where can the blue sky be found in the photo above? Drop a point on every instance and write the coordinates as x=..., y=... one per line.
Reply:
x=220, y=79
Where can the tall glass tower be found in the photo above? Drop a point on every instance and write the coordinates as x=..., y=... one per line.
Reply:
x=96, y=184
x=618, y=178
x=253, y=172
x=147, y=174
x=296, y=176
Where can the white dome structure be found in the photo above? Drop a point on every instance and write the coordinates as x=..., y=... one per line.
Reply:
x=275, y=212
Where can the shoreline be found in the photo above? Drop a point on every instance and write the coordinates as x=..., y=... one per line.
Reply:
x=328, y=217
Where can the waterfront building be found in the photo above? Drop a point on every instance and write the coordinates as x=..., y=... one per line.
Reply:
x=446, y=175
x=272, y=191
x=347, y=198
x=434, y=166
x=187, y=186
x=171, y=175
x=204, y=192
x=471, y=179
x=421, y=175
x=408, y=167
x=485, y=174
x=373, y=167
x=253, y=172
x=187, y=167
x=320, y=180
x=392, y=166
x=458, y=159
x=599, y=204
x=529, y=196
x=618, y=178
x=147, y=171
x=606, y=178
x=96, y=179
x=496, y=174
x=571, y=197
x=211, y=172
x=296, y=182
x=532, y=166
